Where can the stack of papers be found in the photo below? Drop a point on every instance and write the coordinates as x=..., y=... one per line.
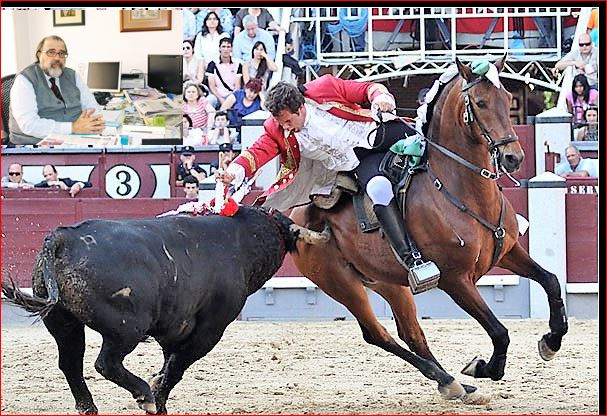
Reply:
x=78, y=140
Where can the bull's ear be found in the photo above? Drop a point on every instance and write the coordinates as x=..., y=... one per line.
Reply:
x=499, y=64
x=464, y=70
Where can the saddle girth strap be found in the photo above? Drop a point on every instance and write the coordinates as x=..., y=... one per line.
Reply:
x=498, y=231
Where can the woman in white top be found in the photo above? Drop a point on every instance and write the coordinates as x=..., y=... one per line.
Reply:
x=261, y=66
x=206, y=44
x=193, y=67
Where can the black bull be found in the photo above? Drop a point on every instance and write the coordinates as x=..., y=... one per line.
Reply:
x=180, y=280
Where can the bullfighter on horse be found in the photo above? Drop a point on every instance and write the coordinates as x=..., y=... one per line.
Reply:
x=321, y=129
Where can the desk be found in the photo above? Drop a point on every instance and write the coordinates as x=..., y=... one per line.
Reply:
x=129, y=130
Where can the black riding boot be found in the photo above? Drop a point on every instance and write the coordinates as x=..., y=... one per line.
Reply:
x=391, y=221
x=423, y=275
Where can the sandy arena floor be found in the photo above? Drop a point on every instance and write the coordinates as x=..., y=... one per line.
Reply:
x=318, y=367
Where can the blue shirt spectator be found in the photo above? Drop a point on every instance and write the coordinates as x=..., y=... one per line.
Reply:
x=189, y=24
x=244, y=41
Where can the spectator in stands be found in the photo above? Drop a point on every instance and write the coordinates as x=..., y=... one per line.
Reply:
x=221, y=133
x=576, y=165
x=265, y=20
x=197, y=107
x=206, y=45
x=580, y=97
x=224, y=76
x=584, y=60
x=189, y=23
x=225, y=18
x=243, y=102
x=590, y=132
x=47, y=97
x=193, y=66
x=244, y=41
x=190, y=186
x=51, y=179
x=188, y=166
x=261, y=66
x=15, y=178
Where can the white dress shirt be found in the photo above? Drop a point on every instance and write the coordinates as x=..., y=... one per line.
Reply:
x=24, y=107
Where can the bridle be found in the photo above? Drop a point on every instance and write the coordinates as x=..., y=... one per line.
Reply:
x=470, y=117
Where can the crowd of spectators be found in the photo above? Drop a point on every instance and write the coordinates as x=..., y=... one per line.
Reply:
x=225, y=53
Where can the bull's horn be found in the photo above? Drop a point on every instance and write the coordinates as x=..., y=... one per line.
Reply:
x=312, y=237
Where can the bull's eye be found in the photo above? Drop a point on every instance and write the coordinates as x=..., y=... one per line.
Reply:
x=481, y=104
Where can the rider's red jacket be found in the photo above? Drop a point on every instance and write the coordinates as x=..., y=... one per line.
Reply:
x=344, y=99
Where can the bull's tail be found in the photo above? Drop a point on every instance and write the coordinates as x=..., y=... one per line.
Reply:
x=35, y=305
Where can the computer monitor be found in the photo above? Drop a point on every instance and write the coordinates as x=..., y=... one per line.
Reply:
x=165, y=73
x=103, y=76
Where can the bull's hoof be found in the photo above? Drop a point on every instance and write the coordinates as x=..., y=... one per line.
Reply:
x=452, y=391
x=148, y=407
x=155, y=381
x=90, y=409
x=545, y=351
x=473, y=368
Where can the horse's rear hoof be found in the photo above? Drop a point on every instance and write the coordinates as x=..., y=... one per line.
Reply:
x=452, y=391
x=473, y=366
x=545, y=351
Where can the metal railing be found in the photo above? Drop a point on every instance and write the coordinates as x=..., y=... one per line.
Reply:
x=397, y=53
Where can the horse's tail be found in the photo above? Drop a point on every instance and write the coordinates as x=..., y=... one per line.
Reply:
x=36, y=305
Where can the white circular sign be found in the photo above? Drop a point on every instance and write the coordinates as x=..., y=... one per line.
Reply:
x=122, y=182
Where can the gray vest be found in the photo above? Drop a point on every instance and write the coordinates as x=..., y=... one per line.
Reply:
x=49, y=106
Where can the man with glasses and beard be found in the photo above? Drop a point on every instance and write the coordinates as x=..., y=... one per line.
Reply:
x=49, y=98
x=15, y=180
x=584, y=59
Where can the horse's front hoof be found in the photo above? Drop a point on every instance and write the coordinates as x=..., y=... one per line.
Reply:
x=452, y=391
x=545, y=351
x=473, y=368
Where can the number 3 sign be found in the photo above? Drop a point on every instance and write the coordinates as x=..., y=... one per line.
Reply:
x=122, y=182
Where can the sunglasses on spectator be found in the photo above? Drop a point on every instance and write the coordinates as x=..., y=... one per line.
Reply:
x=187, y=48
x=586, y=44
x=53, y=53
x=14, y=173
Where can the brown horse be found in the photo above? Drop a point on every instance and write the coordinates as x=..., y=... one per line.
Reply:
x=459, y=219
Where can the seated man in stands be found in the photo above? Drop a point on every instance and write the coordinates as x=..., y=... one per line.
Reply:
x=51, y=179
x=48, y=98
x=15, y=179
x=576, y=165
x=188, y=166
x=190, y=187
x=584, y=60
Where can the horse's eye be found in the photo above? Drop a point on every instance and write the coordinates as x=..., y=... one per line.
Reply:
x=481, y=104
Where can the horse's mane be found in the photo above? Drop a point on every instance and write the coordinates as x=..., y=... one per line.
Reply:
x=439, y=97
